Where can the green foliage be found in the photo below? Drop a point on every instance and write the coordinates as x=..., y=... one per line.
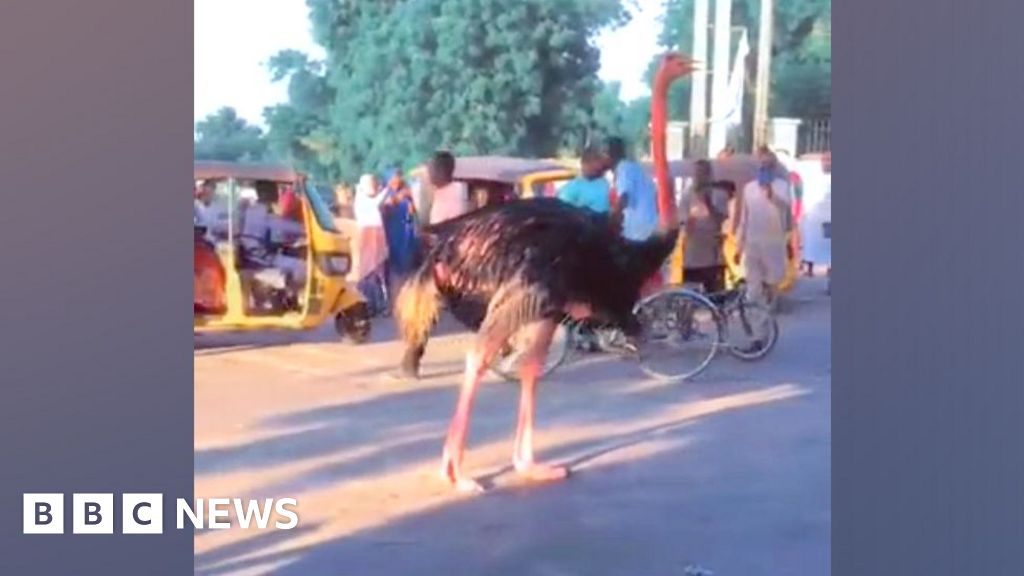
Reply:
x=224, y=136
x=405, y=77
x=801, y=52
x=802, y=79
x=298, y=131
x=614, y=117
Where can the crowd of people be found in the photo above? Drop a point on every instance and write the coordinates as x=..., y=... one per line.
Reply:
x=388, y=218
x=389, y=211
x=759, y=214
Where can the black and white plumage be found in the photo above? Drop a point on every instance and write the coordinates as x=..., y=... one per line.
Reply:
x=500, y=268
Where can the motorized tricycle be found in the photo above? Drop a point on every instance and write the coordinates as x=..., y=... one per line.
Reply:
x=268, y=254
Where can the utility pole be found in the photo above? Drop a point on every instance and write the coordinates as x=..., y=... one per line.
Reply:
x=764, y=67
x=699, y=85
x=720, y=76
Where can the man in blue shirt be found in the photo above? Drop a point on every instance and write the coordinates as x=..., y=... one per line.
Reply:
x=637, y=201
x=590, y=189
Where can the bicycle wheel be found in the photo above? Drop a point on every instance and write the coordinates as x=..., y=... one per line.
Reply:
x=751, y=331
x=681, y=331
x=506, y=365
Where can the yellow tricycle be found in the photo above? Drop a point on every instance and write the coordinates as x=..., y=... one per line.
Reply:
x=268, y=254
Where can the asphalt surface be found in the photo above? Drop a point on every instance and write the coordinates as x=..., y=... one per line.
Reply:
x=726, y=475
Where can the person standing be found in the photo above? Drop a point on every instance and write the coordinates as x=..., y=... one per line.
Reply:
x=763, y=222
x=817, y=221
x=372, y=252
x=451, y=199
x=703, y=209
x=590, y=189
x=343, y=202
x=399, y=217
x=636, y=204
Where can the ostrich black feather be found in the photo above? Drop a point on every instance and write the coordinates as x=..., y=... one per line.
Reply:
x=502, y=267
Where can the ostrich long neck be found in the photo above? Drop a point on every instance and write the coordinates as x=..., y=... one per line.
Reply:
x=659, y=123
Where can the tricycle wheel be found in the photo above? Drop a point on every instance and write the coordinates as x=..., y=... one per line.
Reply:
x=354, y=323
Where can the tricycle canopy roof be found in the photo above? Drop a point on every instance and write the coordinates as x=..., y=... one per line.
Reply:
x=213, y=170
x=506, y=169
x=740, y=169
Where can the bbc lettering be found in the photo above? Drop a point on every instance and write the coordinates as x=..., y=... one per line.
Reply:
x=143, y=513
x=93, y=513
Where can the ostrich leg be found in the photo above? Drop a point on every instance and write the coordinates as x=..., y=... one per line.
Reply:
x=477, y=361
x=542, y=333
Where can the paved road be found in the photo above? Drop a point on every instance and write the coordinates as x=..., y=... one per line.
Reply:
x=729, y=474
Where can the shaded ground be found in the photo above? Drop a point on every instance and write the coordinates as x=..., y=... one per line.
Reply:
x=729, y=473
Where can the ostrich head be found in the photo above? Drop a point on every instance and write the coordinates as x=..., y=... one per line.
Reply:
x=674, y=65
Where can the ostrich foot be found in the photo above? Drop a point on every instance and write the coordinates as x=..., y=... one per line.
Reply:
x=461, y=483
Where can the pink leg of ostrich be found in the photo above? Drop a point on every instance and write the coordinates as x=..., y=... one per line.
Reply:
x=476, y=365
x=531, y=368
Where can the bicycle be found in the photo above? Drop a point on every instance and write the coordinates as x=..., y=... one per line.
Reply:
x=678, y=321
x=682, y=323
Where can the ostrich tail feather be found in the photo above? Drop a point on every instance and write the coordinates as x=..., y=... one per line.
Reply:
x=418, y=306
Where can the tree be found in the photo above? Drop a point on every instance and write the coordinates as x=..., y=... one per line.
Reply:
x=297, y=130
x=615, y=117
x=802, y=80
x=224, y=136
x=474, y=76
x=801, y=53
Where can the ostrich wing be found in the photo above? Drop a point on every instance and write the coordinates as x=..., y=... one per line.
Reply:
x=519, y=262
x=517, y=305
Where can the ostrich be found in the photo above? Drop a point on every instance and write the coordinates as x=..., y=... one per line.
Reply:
x=523, y=266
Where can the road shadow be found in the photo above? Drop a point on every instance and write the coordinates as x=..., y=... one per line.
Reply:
x=384, y=329
x=369, y=430
x=326, y=430
x=611, y=516
x=225, y=559
x=368, y=437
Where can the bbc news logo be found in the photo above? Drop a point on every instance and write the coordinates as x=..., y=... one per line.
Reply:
x=143, y=513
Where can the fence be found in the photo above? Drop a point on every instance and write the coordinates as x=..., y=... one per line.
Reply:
x=815, y=136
